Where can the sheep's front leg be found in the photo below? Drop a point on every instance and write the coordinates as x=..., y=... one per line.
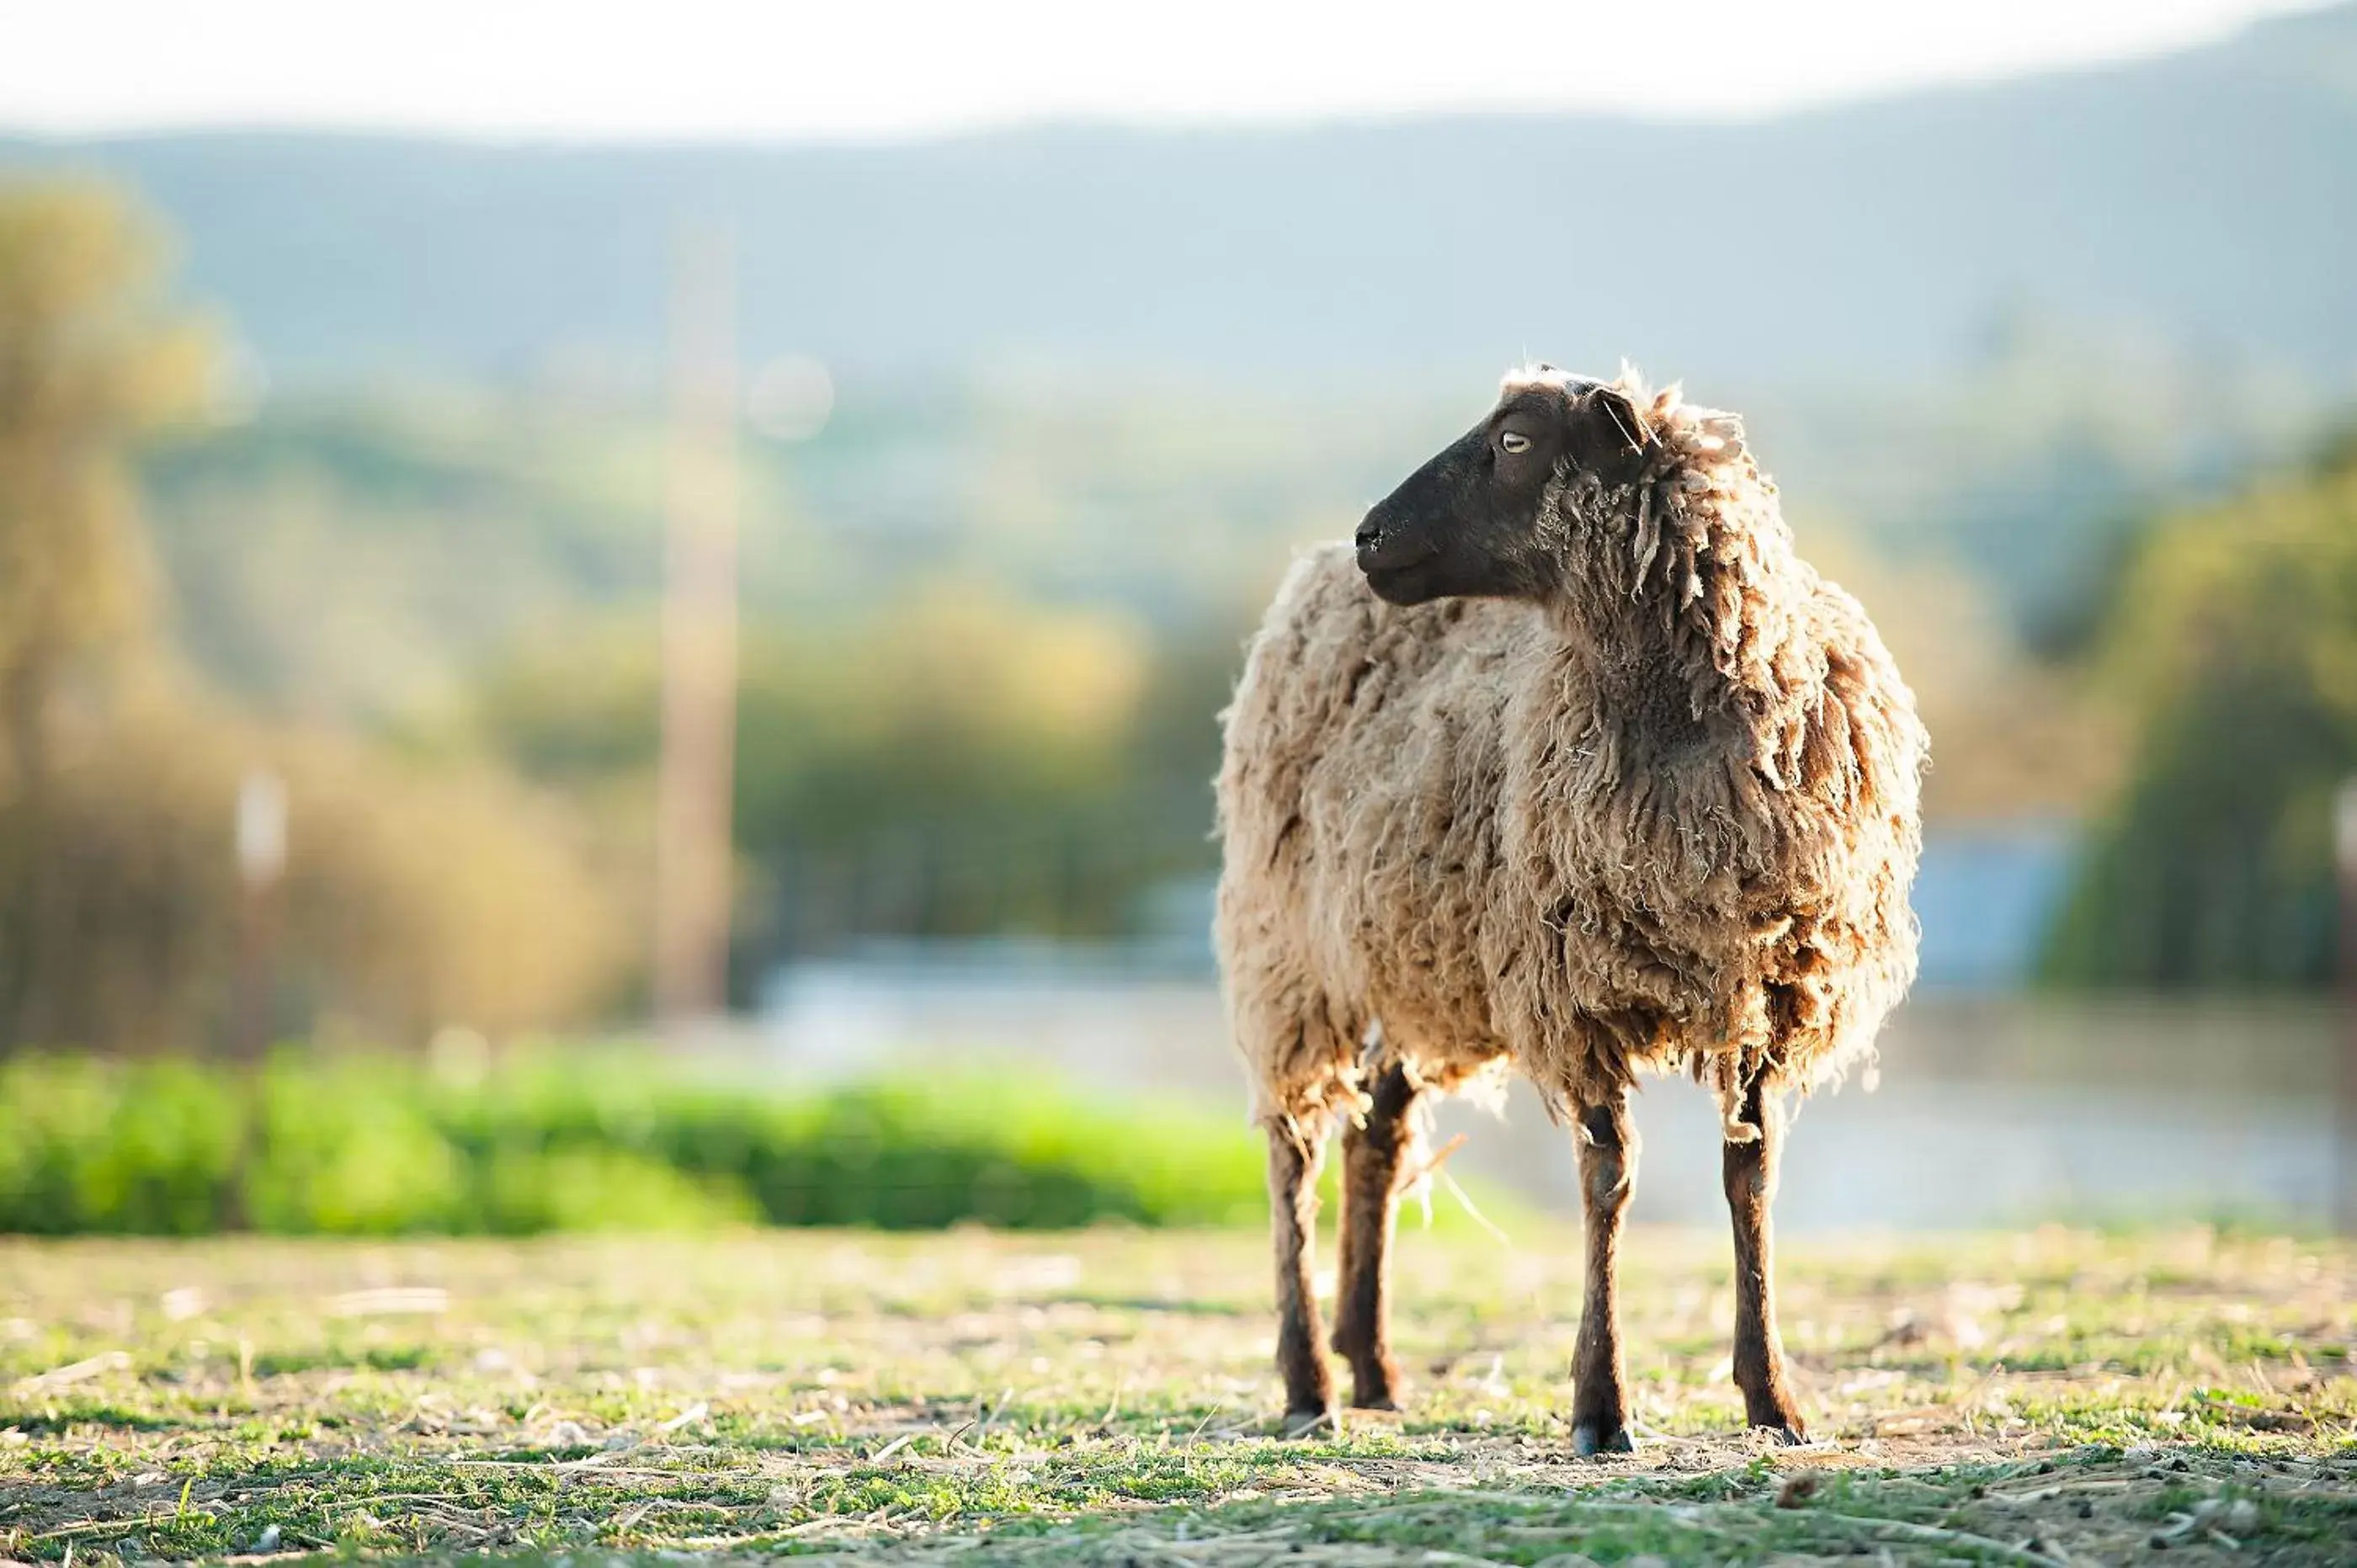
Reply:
x=1749, y=1167
x=1607, y=1175
x=1295, y=1153
x=1373, y=1155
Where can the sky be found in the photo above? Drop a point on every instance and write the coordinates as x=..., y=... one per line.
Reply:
x=865, y=69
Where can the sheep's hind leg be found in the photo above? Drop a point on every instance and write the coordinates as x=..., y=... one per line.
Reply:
x=1295, y=1152
x=1750, y=1168
x=1607, y=1175
x=1373, y=1155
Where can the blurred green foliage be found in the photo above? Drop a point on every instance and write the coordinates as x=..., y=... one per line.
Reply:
x=946, y=762
x=91, y=359
x=420, y=892
x=416, y=894
x=332, y=1145
x=988, y=623
x=985, y=633
x=2233, y=643
x=988, y=617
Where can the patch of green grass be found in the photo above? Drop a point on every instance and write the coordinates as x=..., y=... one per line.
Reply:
x=1958, y=1516
x=1104, y=1396
x=578, y=1140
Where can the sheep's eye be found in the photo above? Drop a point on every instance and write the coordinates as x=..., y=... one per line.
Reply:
x=1511, y=442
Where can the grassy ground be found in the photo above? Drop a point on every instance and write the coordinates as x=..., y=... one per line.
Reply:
x=1105, y=1397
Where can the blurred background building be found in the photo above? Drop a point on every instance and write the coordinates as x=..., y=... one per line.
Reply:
x=340, y=456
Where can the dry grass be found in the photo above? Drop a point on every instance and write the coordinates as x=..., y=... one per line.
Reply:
x=1104, y=1396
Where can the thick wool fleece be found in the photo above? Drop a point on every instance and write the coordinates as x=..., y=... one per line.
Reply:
x=1664, y=821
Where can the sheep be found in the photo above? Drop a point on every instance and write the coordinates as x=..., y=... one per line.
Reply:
x=1567, y=764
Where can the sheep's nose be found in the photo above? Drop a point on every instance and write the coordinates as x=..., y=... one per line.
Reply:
x=1370, y=534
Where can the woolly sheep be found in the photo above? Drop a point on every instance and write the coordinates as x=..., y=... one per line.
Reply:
x=1573, y=767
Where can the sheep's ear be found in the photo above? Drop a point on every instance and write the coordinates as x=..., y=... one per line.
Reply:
x=1610, y=432
x=1614, y=404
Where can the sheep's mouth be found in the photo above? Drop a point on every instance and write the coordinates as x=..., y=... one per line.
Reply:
x=1403, y=583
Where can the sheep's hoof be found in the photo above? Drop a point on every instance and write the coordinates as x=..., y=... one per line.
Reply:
x=1788, y=1433
x=1374, y=1401
x=1589, y=1439
x=1302, y=1423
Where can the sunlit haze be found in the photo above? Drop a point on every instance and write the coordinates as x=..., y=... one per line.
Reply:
x=724, y=68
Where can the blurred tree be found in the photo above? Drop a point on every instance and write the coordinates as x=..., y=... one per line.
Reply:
x=2013, y=737
x=91, y=359
x=954, y=701
x=2234, y=645
x=950, y=761
x=415, y=896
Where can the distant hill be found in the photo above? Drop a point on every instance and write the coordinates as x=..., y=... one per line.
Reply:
x=2208, y=198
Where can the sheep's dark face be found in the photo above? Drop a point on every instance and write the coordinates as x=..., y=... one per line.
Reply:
x=1481, y=518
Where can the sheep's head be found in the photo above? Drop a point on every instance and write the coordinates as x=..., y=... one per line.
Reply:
x=1485, y=517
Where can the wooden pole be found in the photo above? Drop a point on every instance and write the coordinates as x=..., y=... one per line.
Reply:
x=696, y=773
